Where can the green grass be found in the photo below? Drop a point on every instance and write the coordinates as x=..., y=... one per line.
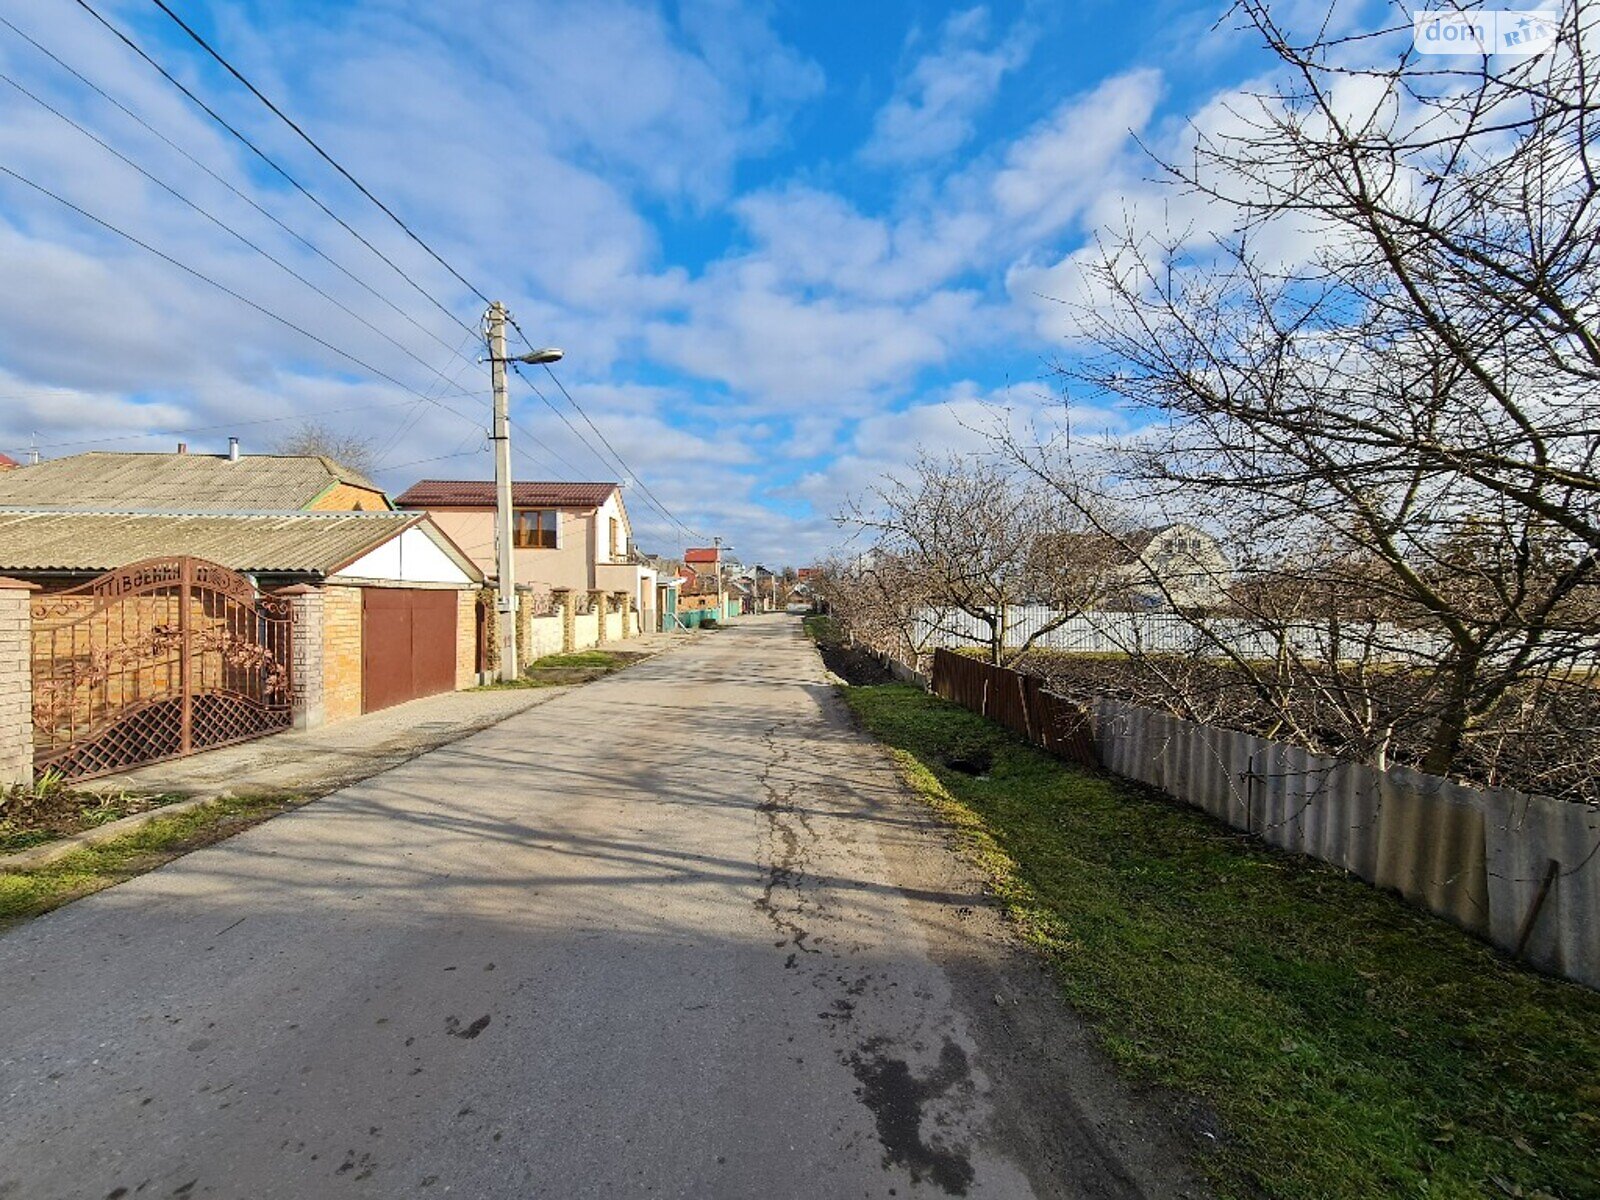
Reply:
x=825, y=631
x=28, y=893
x=1349, y=1045
x=576, y=659
x=560, y=670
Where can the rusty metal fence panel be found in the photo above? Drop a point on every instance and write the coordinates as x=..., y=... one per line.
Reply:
x=156, y=660
x=1017, y=701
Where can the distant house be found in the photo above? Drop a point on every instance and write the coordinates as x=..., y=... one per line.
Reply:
x=703, y=566
x=7, y=463
x=565, y=536
x=232, y=482
x=1172, y=566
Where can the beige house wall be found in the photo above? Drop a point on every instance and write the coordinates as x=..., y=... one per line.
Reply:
x=569, y=565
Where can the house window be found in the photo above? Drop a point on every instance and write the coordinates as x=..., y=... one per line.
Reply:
x=534, y=529
x=616, y=538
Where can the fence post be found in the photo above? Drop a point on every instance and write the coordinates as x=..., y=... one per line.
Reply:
x=598, y=605
x=16, y=682
x=305, y=655
x=569, y=632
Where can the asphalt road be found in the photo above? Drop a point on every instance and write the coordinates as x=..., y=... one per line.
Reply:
x=677, y=933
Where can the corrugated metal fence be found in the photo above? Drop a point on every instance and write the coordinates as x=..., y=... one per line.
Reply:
x=1521, y=871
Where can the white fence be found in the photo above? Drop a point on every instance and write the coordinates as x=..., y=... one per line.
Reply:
x=1522, y=871
x=1170, y=633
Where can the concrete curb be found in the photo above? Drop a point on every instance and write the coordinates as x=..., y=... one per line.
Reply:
x=39, y=856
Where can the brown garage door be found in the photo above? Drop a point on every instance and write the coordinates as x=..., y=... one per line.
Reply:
x=408, y=645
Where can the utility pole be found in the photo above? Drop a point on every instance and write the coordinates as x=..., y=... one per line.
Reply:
x=505, y=565
x=505, y=560
x=722, y=606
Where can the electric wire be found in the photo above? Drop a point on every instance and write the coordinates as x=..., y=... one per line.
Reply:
x=409, y=232
x=326, y=157
x=226, y=228
x=237, y=191
x=226, y=290
x=268, y=159
x=622, y=464
x=295, y=183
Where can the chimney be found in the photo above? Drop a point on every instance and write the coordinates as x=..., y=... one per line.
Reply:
x=233, y=449
x=183, y=447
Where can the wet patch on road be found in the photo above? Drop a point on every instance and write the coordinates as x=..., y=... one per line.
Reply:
x=454, y=1028
x=898, y=1100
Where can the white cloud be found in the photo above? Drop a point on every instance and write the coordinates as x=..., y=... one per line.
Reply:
x=934, y=110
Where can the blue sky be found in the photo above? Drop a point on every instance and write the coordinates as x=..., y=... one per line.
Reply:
x=783, y=245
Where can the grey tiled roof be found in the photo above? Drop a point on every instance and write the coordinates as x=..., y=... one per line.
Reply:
x=176, y=482
x=266, y=543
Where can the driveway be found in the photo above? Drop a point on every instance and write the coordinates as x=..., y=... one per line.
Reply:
x=676, y=933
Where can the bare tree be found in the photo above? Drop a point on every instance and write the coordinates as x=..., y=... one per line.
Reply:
x=1402, y=425
x=352, y=450
x=978, y=537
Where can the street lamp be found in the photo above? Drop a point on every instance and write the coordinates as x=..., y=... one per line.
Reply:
x=535, y=358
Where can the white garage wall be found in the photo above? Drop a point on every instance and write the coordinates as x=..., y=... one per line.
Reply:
x=413, y=557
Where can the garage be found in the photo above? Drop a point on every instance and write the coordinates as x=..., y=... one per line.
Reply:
x=408, y=644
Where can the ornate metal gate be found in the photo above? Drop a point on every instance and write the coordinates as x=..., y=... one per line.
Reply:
x=156, y=660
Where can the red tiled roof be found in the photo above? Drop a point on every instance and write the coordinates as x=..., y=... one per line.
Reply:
x=479, y=493
x=699, y=556
x=7, y=462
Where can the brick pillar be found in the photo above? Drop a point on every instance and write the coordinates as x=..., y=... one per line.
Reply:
x=597, y=604
x=524, y=624
x=625, y=603
x=305, y=652
x=16, y=682
x=569, y=632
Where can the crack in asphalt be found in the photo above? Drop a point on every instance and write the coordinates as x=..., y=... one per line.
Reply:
x=787, y=858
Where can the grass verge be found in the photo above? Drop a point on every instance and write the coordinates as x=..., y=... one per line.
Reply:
x=558, y=670
x=28, y=893
x=1349, y=1045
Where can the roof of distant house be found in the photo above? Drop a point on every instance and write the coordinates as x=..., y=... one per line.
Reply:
x=480, y=493
x=7, y=462
x=279, y=543
x=177, y=482
x=701, y=555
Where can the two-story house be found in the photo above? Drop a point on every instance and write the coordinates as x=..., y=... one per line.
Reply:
x=565, y=536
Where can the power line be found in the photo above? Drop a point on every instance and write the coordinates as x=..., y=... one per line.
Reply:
x=266, y=158
x=224, y=226
x=622, y=465
x=627, y=473
x=239, y=192
x=627, y=470
x=326, y=157
x=226, y=290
